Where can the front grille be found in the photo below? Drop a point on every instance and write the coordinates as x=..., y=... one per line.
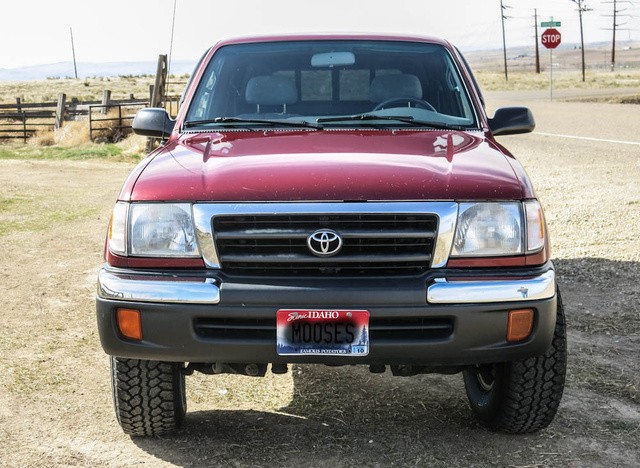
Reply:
x=372, y=244
x=382, y=330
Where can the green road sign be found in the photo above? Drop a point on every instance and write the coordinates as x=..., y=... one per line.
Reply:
x=550, y=24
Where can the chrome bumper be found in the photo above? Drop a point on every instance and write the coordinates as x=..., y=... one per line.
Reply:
x=443, y=291
x=171, y=290
x=138, y=288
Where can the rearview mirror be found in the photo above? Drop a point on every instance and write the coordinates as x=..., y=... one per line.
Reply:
x=333, y=59
x=512, y=120
x=153, y=122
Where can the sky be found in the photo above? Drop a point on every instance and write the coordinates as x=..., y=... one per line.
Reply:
x=36, y=32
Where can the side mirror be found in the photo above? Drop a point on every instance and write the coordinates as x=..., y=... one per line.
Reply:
x=153, y=122
x=512, y=120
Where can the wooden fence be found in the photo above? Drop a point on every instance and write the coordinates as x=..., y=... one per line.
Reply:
x=21, y=121
x=105, y=124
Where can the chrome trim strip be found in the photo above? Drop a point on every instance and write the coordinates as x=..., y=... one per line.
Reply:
x=138, y=288
x=463, y=292
x=446, y=211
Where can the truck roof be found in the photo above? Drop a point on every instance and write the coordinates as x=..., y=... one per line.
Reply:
x=331, y=36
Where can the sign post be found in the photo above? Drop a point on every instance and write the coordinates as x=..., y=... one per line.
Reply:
x=551, y=39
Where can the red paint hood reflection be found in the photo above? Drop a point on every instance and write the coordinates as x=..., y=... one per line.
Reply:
x=327, y=165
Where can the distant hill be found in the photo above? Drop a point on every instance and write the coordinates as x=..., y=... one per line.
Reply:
x=87, y=69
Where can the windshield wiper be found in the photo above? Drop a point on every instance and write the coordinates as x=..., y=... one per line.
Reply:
x=237, y=122
x=397, y=118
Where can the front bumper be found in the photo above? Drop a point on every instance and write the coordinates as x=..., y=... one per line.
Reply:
x=475, y=304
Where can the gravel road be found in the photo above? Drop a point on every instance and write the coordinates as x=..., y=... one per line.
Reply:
x=55, y=400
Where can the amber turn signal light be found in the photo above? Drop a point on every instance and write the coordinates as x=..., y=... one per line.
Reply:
x=129, y=323
x=520, y=324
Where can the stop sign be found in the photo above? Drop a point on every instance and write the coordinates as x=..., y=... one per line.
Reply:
x=550, y=38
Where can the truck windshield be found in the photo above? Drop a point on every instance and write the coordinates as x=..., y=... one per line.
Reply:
x=319, y=82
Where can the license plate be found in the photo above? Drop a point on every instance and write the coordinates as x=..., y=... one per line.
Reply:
x=323, y=332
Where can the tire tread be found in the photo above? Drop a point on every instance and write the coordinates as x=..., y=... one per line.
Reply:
x=148, y=396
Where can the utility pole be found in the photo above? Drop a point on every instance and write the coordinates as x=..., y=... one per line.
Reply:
x=613, y=42
x=616, y=14
x=535, y=24
x=504, y=41
x=73, y=51
x=581, y=9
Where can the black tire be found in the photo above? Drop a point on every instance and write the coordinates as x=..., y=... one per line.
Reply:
x=521, y=397
x=149, y=396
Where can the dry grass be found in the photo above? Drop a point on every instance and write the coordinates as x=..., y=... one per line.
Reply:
x=88, y=89
x=527, y=81
x=74, y=133
x=133, y=145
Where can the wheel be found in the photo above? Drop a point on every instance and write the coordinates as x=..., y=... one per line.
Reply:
x=420, y=103
x=149, y=396
x=521, y=396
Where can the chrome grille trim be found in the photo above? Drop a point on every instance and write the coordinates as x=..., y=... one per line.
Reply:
x=445, y=212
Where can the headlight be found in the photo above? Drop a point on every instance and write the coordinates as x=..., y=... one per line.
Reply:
x=152, y=230
x=161, y=230
x=489, y=229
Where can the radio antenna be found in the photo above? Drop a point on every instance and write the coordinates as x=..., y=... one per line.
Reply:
x=173, y=24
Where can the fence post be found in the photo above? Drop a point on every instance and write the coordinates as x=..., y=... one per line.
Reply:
x=160, y=83
x=60, y=110
x=90, y=124
x=18, y=106
x=106, y=100
x=24, y=126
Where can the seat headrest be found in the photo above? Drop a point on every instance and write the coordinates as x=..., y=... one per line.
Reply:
x=385, y=87
x=271, y=90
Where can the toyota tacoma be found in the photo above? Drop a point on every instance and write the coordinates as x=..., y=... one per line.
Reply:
x=338, y=200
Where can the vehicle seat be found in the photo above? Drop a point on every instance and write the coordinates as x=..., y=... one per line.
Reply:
x=267, y=92
x=385, y=87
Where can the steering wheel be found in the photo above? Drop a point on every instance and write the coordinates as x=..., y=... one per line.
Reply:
x=420, y=103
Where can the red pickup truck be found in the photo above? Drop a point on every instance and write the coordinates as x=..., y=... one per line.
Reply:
x=331, y=199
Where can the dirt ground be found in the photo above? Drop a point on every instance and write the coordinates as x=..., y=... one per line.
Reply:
x=55, y=398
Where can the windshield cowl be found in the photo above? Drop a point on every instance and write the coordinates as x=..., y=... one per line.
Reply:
x=368, y=120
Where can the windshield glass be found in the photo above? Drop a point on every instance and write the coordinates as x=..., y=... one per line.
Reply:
x=321, y=81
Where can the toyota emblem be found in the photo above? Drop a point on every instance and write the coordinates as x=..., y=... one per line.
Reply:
x=324, y=243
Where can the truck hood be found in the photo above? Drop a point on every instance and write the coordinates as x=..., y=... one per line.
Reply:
x=328, y=165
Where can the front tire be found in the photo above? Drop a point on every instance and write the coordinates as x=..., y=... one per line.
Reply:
x=521, y=397
x=149, y=396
